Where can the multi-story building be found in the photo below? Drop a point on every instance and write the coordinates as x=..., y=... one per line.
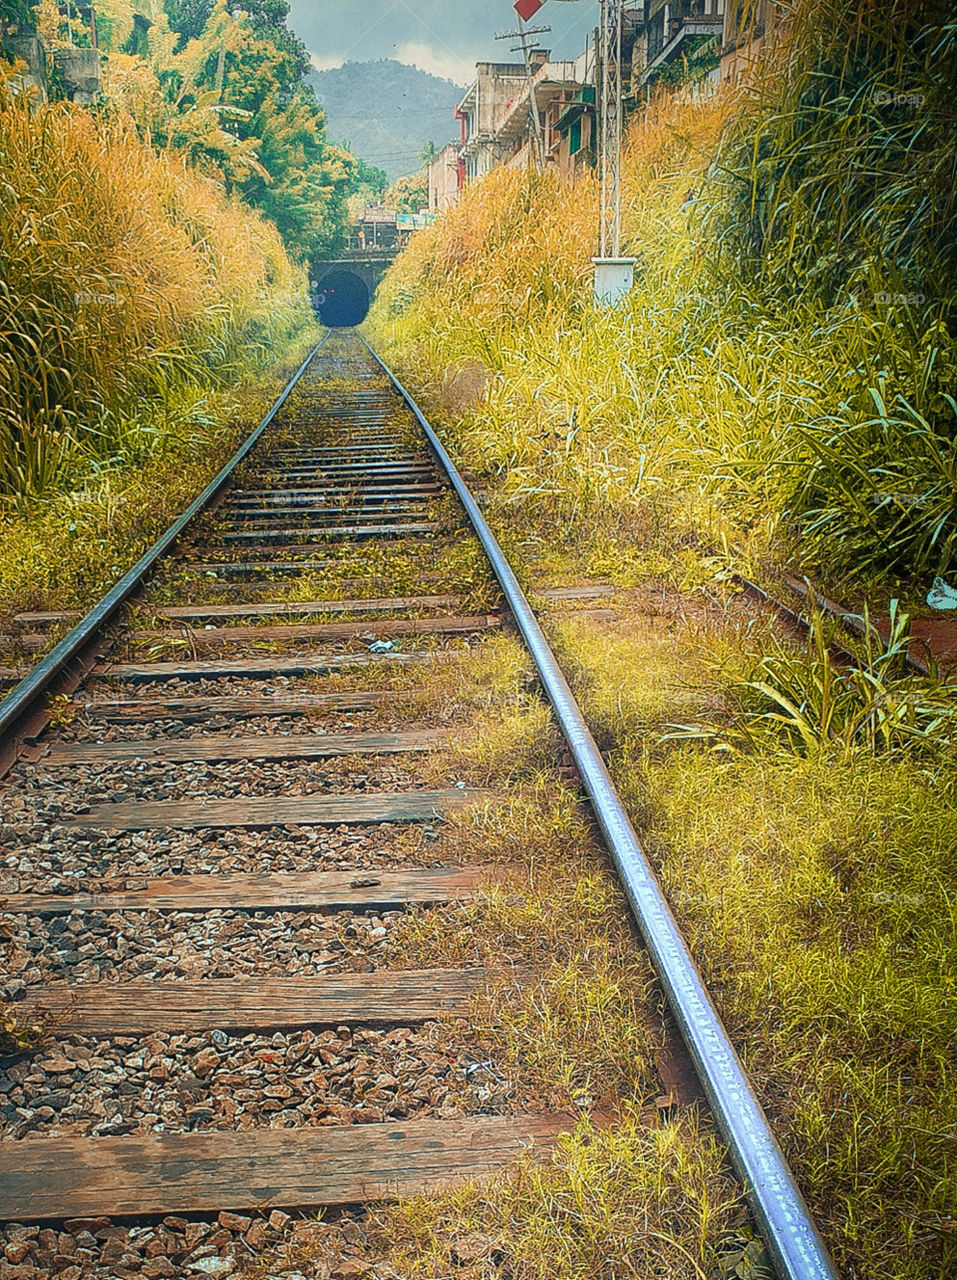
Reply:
x=377, y=228
x=446, y=172
x=496, y=86
x=748, y=25
x=671, y=30
x=510, y=111
x=716, y=38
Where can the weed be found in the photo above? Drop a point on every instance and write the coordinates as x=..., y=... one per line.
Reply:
x=804, y=698
x=19, y=1031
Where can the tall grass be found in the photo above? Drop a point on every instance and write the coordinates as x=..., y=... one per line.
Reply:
x=839, y=176
x=806, y=700
x=776, y=385
x=128, y=282
x=833, y=194
x=777, y=388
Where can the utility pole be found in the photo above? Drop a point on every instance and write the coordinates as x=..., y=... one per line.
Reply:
x=614, y=275
x=525, y=48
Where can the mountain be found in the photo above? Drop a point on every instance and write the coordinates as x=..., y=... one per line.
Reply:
x=387, y=111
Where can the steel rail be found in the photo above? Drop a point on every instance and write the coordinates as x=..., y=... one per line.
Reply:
x=782, y=1214
x=23, y=698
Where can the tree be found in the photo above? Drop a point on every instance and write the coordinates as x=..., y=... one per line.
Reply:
x=410, y=194
x=222, y=82
x=188, y=18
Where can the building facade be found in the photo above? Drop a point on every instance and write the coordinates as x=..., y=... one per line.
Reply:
x=446, y=172
x=511, y=112
x=673, y=31
x=664, y=41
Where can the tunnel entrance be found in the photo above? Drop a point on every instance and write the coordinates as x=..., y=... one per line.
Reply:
x=342, y=299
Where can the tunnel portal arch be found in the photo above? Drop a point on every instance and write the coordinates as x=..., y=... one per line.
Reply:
x=341, y=299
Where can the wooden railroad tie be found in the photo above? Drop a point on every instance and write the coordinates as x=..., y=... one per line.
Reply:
x=314, y=746
x=302, y=608
x=321, y=533
x=278, y=811
x=261, y=666
x=251, y=707
x=268, y=891
x=328, y=633
x=249, y=1004
x=299, y=1168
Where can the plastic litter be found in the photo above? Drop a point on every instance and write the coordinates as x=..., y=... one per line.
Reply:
x=941, y=596
x=382, y=646
x=474, y=1067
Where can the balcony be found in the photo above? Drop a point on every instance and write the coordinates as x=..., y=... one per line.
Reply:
x=667, y=33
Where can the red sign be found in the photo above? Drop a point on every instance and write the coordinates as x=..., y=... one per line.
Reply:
x=527, y=8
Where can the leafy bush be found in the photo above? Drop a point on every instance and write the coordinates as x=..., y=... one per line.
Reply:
x=879, y=492
x=839, y=174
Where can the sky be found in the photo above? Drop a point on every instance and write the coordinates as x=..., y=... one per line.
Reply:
x=444, y=37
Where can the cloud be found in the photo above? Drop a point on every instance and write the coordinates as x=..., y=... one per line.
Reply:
x=448, y=66
x=327, y=63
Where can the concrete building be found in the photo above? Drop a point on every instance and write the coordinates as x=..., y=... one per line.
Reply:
x=748, y=27
x=496, y=86
x=78, y=68
x=575, y=132
x=445, y=179
x=670, y=30
x=724, y=36
x=496, y=114
x=376, y=229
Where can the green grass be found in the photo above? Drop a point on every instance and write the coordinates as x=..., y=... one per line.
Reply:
x=813, y=701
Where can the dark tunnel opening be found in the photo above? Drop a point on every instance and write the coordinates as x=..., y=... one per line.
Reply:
x=341, y=299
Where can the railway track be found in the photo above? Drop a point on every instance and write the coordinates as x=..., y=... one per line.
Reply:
x=216, y=808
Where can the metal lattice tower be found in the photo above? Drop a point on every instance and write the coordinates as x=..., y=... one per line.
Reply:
x=611, y=127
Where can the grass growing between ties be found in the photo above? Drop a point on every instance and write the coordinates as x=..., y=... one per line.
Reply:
x=628, y=1202
x=572, y=1013
x=64, y=551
